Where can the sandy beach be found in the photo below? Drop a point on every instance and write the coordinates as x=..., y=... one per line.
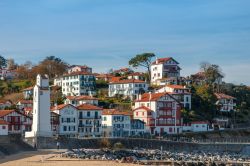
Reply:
x=50, y=158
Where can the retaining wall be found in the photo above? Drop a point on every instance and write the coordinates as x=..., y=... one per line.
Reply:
x=72, y=143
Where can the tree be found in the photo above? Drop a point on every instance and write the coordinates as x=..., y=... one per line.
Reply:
x=142, y=60
x=52, y=66
x=212, y=73
x=2, y=62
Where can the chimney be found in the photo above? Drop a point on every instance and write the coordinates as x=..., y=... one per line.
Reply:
x=156, y=61
x=139, y=97
x=150, y=96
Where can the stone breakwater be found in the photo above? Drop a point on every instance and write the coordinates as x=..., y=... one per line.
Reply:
x=144, y=156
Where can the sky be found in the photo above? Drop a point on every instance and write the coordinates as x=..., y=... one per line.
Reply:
x=105, y=34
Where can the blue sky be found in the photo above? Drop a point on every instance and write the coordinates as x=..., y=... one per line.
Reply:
x=105, y=34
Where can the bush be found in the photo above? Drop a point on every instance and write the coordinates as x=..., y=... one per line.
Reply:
x=104, y=143
x=118, y=146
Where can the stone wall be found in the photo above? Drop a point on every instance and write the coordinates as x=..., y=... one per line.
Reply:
x=71, y=143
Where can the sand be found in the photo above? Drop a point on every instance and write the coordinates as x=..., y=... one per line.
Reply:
x=50, y=158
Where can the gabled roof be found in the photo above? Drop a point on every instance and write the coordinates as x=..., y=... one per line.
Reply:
x=127, y=81
x=163, y=60
x=223, y=96
x=88, y=107
x=59, y=107
x=25, y=101
x=77, y=73
x=83, y=97
x=5, y=112
x=143, y=108
x=29, y=88
x=116, y=112
x=150, y=97
x=3, y=122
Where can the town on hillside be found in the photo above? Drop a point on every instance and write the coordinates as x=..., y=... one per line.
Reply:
x=74, y=101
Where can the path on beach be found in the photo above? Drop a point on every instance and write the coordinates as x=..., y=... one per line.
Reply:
x=50, y=158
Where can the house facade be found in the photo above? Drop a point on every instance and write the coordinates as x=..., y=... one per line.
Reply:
x=18, y=123
x=3, y=127
x=164, y=69
x=79, y=68
x=180, y=92
x=89, y=120
x=78, y=83
x=225, y=102
x=79, y=100
x=115, y=123
x=127, y=88
x=160, y=111
x=68, y=119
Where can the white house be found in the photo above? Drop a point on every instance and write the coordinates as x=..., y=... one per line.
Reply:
x=3, y=127
x=78, y=83
x=41, y=108
x=225, y=102
x=116, y=123
x=28, y=92
x=136, y=76
x=164, y=69
x=21, y=104
x=196, y=126
x=79, y=100
x=79, y=68
x=128, y=88
x=160, y=111
x=67, y=120
x=58, y=81
x=179, y=92
x=89, y=120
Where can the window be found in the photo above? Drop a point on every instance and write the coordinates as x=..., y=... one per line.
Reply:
x=3, y=127
x=64, y=128
x=104, y=118
x=88, y=114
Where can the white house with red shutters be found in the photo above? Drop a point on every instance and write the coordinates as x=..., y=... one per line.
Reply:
x=18, y=122
x=128, y=88
x=160, y=111
x=179, y=92
x=165, y=71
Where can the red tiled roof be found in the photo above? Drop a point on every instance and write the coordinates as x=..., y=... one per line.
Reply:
x=116, y=112
x=136, y=74
x=26, y=101
x=77, y=73
x=115, y=79
x=154, y=96
x=5, y=112
x=127, y=81
x=3, y=122
x=59, y=107
x=29, y=88
x=5, y=101
x=176, y=86
x=83, y=97
x=223, y=96
x=144, y=108
x=163, y=60
x=88, y=107
x=28, y=109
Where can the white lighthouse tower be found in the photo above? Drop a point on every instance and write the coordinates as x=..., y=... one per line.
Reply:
x=41, y=125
